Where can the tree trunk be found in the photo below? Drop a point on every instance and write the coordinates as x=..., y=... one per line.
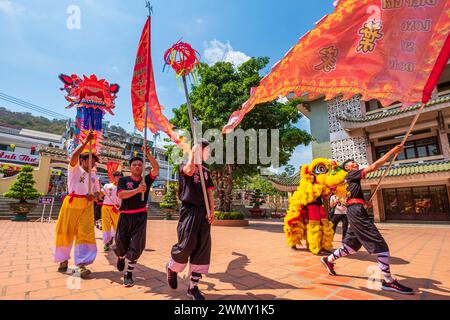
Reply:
x=228, y=192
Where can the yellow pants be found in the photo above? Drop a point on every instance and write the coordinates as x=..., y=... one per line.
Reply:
x=110, y=218
x=76, y=223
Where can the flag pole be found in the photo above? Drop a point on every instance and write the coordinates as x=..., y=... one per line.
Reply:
x=413, y=124
x=197, y=160
x=90, y=161
x=150, y=10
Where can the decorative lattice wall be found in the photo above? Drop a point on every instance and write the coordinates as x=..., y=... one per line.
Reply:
x=338, y=108
x=352, y=147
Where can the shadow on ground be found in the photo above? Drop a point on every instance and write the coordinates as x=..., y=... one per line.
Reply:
x=419, y=285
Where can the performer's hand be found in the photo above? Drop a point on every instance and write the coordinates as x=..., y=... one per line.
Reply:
x=90, y=197
x=211, y=217
x=142, y=188
x=97, y=195
x=145, y=149
x=398, y=149
x=197, y=153
x=368, y=205
x=90, y=136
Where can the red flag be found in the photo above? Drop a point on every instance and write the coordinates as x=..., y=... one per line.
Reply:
x=390, y=50
x=112, y=167
x=143, y=90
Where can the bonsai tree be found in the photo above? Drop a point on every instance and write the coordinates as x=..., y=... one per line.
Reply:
x=170, y=202
x=23, y=189
x=257, y=199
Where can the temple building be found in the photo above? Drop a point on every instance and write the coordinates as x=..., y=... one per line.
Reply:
x=417, y=188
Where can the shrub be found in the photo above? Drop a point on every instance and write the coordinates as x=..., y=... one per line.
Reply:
x=234, y=215
x=23, y=189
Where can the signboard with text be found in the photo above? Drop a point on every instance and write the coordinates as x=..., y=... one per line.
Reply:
x=17, y=157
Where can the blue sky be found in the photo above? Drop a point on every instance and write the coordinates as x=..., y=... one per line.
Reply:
x=36, y=44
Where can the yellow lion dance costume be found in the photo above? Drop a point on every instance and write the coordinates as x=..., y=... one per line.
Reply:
x=306, y=218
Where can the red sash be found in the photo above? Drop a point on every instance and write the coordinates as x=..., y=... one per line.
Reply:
x=73, y=195
x=355, y=201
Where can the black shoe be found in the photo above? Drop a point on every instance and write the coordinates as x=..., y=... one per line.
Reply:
x=63, y=266
x=83, y=271
x=325, y=252
x=172, y=278
x=128, y=281
x=329, y=266
x=120, y=264
x=396, y=287
x=195, y=294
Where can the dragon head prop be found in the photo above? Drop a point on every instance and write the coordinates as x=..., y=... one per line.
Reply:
x=90, y=92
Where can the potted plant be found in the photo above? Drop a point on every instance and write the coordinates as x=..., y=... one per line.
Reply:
x=256, y=200
x=170, y=203
x=23, y=190
x=230, y=219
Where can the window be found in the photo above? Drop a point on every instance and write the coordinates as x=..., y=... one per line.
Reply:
x=441, y=87
x=417, y=203
x=420, y=148
x=374, y=104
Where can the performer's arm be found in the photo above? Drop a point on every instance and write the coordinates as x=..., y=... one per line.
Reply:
x=380, y=162
x=212, y=217
x=125, y=194
x=79, y=150
x=155, y=166
x=334, y=201
x=189, y=167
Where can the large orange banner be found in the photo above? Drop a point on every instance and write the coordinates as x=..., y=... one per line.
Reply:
x=390, y=50
x=143, y=90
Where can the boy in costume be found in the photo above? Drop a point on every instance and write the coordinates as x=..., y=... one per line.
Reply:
x=362, y=231
x=131, y=230
x=110, y=210
x=339, y=215
x=76, y=217
x=194, y=226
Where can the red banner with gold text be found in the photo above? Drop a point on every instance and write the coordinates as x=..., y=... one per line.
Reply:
x=143, y=90
x=390, y=50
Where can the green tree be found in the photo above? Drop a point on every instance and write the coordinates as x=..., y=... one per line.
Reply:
x=23, y=189
x=170, y=198
x=223, y=89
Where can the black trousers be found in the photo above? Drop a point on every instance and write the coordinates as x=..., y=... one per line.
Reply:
x=340, y=218
x=131, y=235
x=97, y=211
x=363, y=232
x=194, y=238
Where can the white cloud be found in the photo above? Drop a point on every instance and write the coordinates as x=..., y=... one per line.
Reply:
x=10, y=8
x=218, y=51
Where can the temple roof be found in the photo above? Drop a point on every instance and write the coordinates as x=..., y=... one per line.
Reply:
x=397, y=170
x=351, y=121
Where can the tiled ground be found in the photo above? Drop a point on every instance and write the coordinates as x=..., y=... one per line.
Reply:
x=248, y=263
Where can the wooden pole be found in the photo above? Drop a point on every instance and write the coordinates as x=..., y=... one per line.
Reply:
x=150, y=10
x=90, y=162
x=198, y=157
x=145, y=149
x=413, y=124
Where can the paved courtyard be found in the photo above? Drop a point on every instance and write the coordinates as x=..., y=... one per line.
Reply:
x=247, y=263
